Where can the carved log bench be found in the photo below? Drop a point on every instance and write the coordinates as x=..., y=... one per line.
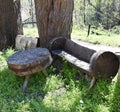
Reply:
x=27, y=62
x=97, y=64
x=118, y=55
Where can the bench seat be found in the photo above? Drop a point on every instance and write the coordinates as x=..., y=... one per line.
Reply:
x=82, y=65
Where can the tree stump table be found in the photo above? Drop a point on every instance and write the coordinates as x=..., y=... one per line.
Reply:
x=27, y=62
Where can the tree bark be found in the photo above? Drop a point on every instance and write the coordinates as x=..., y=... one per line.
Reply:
x=54, y=18
x=84, y=17
x=10, y=21
x=2, y=30
x=19, y=18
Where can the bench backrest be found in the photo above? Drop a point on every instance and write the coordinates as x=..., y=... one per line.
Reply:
x=81, y=52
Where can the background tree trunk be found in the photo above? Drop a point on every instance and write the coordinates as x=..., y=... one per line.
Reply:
x=84, y=17
x=19, y=18
x=10, y=21
x=2, y=30
x=54, y=18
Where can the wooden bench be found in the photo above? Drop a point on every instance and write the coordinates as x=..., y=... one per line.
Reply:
x=118, y=55
x=97, y=64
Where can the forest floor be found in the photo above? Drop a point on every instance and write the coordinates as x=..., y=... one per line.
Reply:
x=63, y=91
x=104, y=38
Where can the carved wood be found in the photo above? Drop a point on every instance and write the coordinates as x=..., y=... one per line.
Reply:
x=82, y=65
x=98, y=64
x=27, y=62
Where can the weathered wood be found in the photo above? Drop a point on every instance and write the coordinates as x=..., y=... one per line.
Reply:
x=82, y=65
x=98, y=64
x=10, y=21
x=118, y=55
x=57, y=43
x=104, y=64
x=23, y=42
x=54, y=18
x=27, y=62
x=79, y=51
x=93, y=81
x=3, y=39
x=25, y=83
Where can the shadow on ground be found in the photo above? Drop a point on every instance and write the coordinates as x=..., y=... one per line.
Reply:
x=11, y=96
x=56, y=93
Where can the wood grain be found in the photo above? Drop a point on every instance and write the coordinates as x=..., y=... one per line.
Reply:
x=99, y=64
x=29, y=61
x=54, y=18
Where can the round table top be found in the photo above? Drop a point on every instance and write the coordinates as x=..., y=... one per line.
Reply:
x=29, y=61
x=28, y=56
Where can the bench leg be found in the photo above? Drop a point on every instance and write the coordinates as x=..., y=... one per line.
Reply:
x=25, y=83
x=92, y=83
x=44, y=72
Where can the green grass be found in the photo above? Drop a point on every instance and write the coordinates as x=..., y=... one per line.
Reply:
x=30, y=31
x=58, y=92
x=105, y=37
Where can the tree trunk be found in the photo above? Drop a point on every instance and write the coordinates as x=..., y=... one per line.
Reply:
x=32, y=14
x=84, y=17
x=10, y=23
x=2, y=31
x=54, y=18
x=19, y=18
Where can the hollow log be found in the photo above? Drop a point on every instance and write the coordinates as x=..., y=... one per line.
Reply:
x=118, y=55
x=99, y=64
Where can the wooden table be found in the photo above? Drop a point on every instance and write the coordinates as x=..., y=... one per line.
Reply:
x=27, y=62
